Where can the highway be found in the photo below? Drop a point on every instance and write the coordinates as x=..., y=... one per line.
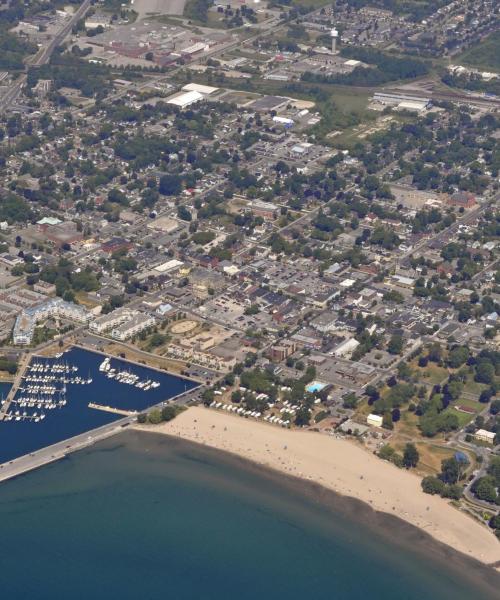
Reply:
x=42, y=57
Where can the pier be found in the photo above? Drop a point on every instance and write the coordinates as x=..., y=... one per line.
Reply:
x=111, y=409
x=49, y=454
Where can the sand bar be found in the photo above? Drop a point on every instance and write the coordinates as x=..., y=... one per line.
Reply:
x=339, y=465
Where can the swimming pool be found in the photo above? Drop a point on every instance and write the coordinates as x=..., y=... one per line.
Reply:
x=315, y=386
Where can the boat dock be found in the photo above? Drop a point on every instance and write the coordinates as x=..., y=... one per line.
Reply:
x=22, y=366
x=61, y=449
x=111, y=409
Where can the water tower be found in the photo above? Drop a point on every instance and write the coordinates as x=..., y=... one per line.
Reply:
x=334, y=35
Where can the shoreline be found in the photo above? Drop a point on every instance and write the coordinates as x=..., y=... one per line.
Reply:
x=339, y=466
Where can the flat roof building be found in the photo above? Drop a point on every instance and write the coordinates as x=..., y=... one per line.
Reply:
x=185, y=99
x=482, y=435
x=201, y=89
x=375, y=420
x=133, y=326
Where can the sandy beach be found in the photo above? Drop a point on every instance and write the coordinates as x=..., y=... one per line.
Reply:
x=341, y=466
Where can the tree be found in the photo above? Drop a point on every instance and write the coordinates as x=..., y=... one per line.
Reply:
x=453, y=389
x=451, y=470
x=485, y=372
x=494, y=469
x=435, y=352
x=458, y=356
x=432, y=485
x=168, y=413
x=350, y=401
x=154, y=417
x=454, y=491
x=387, y=421
x=484, y=488
x=404, y=371
x=208, y=396
x=410, y=456
x=395, y=345
x=253, y=309
x=303, y=416
x=183, y=213
x=170, y=185
x=386, y=452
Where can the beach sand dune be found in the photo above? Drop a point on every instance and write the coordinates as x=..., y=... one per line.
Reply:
x=339, y=465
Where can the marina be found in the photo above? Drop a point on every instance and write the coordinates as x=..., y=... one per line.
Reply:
x=74, y=393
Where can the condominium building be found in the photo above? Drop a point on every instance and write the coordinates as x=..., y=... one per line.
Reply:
x=26, y=321
x=111, y=320
x=139, y=322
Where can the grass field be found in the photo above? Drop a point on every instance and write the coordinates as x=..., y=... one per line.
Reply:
x=432, y=374
x=408, y=425
x=431, y=456
x=485, y=55
x=474, y=388
x=83, y=299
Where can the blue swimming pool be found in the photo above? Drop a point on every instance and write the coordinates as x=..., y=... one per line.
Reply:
x=315, y=386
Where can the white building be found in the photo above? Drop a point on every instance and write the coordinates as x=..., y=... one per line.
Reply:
x=185, y=99
x=346, y=348
x=206, y=90
x=133, y=326
x=111, y=320
x=482, y=435
x=169, y=265
x=25, y=324
x=375, y=420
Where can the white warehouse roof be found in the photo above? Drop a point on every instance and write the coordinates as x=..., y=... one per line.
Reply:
x=202, y=89
x=185, y=99
x=413, y=105
x=168, y=266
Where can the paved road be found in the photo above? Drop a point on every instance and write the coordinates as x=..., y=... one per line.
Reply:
x=42, y=57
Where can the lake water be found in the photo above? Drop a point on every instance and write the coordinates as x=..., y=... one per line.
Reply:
x=144, y=516
x=22, y=437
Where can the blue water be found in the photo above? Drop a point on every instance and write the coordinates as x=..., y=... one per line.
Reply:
x=145, y=517
x=22, y=437
x=315, y=386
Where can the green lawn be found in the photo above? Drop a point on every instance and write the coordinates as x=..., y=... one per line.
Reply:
x=408, y=425
x=476, y=406
x=431, y=455
x=431, y=374
x=463, y=418
x=473, y=387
